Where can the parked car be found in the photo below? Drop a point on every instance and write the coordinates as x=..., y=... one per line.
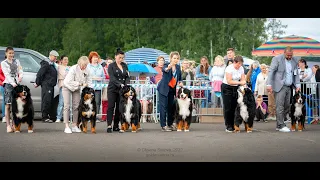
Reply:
x=30, y=62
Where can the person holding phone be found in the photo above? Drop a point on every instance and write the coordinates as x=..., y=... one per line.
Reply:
x=171, y=77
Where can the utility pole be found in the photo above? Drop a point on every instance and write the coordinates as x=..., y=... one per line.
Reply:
x=253, y=34
x=223, y=28
x=211, y=52
x=137, y=32
x=211, y=42
x=80, y=47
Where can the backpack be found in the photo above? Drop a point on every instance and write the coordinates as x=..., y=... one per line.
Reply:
x=2, y=77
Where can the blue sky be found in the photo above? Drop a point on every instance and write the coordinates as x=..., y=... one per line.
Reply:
x=308, y=27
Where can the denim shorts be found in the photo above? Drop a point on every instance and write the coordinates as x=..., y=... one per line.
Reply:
x=8, y=88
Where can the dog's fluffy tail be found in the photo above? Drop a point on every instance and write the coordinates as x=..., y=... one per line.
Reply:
x=80, y=126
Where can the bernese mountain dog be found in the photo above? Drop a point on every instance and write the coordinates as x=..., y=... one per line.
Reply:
x=22, y=108
x=245, y=110
x=87, y=110
x=183, y=109
x=298, y=111
x=130, y=109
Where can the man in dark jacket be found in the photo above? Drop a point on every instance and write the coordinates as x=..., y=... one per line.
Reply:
x=47, y=79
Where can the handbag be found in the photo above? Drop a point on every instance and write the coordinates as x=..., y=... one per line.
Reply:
x=172, y=82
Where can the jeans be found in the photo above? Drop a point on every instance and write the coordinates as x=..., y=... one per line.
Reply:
x=3, y=104
x=60, y=105
x=97, y=94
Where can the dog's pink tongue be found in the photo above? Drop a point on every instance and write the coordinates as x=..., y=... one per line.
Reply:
x=130, y=97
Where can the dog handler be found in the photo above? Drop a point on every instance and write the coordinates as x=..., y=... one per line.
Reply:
x=77, y=78
x=119, y=76
x=234, y=76
x=13, y=73
x=171, y=77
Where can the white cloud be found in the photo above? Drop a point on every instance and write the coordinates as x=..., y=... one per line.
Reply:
x=308, y=27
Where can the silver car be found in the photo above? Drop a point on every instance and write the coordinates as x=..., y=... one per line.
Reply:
x=30, y=62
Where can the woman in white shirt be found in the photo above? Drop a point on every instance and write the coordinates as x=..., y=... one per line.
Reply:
x=216, y=77
x=77, y=78
x=261, y=83
x=261, y=89
x=305, y=74
x=234, y=76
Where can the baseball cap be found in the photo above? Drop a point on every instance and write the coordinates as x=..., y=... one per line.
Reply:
x=54, y=53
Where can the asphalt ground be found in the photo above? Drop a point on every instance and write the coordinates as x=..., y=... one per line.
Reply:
x=204, y=143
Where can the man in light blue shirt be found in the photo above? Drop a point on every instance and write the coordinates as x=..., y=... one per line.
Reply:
x=282, y=76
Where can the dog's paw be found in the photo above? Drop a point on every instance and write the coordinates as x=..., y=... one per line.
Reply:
x=30, y=131
x=121, y=131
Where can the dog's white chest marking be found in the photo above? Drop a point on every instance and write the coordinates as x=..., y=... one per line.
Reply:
x=20, y=105
x=243, y=108
x=127, y=113
x=184, y=107
x=90, y=111
x=298, y=110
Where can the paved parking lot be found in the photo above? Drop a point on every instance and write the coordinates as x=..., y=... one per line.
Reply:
x=205, y=142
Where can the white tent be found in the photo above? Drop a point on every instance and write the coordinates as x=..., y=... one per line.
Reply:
x=247, y=61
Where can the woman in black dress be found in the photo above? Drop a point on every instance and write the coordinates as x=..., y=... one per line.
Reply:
x=119, y=76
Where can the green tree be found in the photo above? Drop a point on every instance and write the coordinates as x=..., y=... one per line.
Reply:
x=45, y=34
x=13, y=31
x=79, y=39
x=275, y=28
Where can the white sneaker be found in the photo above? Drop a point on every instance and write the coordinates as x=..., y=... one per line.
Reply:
x=144, y=119
x=4, y=120
x=9, y=129
x=284, y=129
x=67, y=130
x=76, y=129
x=58, y=121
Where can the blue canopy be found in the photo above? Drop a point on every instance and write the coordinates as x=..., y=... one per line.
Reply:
x=140, y=55
x=136, y=69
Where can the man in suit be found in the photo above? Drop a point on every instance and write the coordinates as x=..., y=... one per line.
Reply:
x=167, y=93
x=283, y=75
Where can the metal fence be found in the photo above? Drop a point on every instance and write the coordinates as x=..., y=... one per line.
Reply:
x=206, y=102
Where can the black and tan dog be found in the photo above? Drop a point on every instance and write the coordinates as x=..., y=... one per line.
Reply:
x=245, y=110
x=183, y=109
x=22, y=108
x=130, y=109
x=87, y=110
x=298, y=111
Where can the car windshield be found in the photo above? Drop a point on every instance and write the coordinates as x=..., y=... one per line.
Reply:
x=28, y=62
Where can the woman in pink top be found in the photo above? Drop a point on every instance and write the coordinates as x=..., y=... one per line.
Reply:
x=63, y=69
x=158, y=68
